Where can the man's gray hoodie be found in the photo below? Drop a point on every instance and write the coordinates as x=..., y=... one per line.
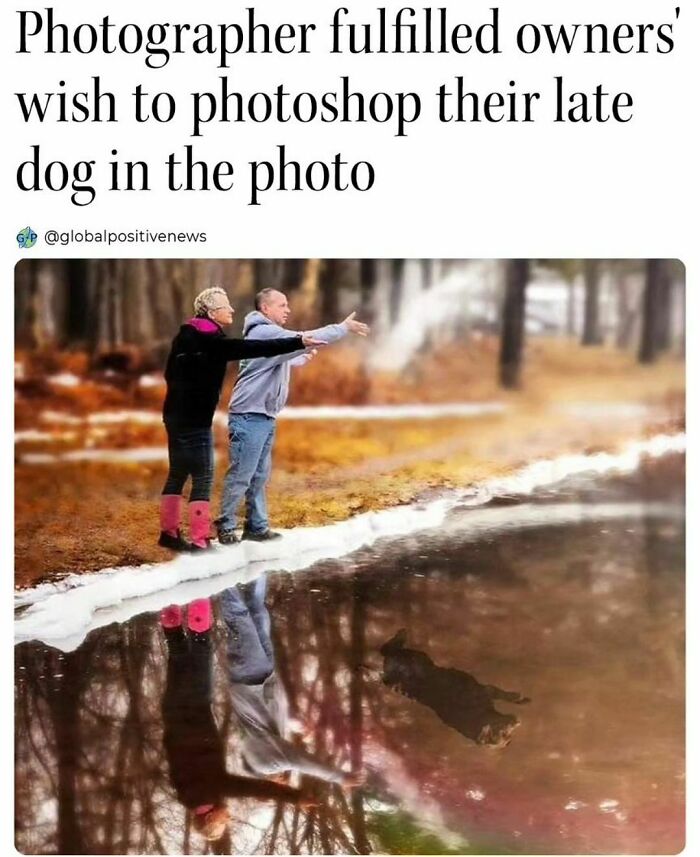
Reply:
x=262, y=385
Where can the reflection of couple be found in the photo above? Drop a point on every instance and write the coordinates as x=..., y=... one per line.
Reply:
x=193, y=745
x=194, y=374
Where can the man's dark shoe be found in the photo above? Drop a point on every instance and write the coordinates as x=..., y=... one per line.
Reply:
x=265, y=536
x=174, y=543
x=227, y=537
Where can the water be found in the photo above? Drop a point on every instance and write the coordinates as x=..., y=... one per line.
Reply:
x=578, y=620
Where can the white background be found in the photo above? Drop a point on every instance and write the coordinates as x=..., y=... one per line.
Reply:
x=488, y=190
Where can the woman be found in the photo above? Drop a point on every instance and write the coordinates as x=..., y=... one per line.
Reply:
x=194, y=374
x=194, y=747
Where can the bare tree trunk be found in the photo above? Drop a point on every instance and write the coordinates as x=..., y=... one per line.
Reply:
x=591, y=312
x=368, y=281
x=63, y=704
x=396, y=289
x=357, y=658
x=571, y=310
x=426, y=266
x=513, y=323
x=329, y=291
x=266, y=274
x=77, y=319
x=663, y=316
x=648, y=346
x=627, y=312
x=292, y=274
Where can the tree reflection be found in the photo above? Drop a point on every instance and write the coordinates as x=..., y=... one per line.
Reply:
x=94, y=773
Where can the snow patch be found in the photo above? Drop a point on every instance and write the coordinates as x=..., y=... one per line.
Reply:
x=106, y=456
x=59, y=417
x=393, y=412
x=151, y=381
x=126, y=416
x=64, y=379
x=36, y=436
x=62, y=614
x=602, y=410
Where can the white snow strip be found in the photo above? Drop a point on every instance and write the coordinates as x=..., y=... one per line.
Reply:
x=36, y=436
x=316, y=412
x=49, y=416
x=307, y=412
x=115, y=417
x=598, y=410
x=62, y=614
x=393, y=412
x=64, y=379
x=106, y=456
x=151, y=381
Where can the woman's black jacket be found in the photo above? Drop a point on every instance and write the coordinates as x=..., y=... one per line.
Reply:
x=196, y=367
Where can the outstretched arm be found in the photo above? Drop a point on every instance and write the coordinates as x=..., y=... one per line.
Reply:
x=240, y=349
x=334, y=332
x=305, y=763
x=235, y=786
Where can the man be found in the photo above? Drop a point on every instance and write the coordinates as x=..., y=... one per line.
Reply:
x=259, y=699
x=260, y=393
x=194, y=374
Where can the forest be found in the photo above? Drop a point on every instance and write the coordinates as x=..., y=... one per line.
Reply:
x=472, y=368
x=104, y=305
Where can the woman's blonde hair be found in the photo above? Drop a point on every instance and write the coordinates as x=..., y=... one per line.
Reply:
x=208, y=300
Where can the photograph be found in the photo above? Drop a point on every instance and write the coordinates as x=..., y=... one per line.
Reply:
x=349, y=556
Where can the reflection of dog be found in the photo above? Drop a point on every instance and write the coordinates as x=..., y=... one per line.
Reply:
x=455, y=696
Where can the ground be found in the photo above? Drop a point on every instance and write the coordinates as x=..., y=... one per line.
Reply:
x=72, y=517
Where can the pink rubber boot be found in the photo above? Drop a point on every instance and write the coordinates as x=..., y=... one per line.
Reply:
x=199, y=615
x=171, y=616
x=199, y=524
x=170, y=507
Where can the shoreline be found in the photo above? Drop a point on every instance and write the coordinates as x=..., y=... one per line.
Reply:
x=62, y=614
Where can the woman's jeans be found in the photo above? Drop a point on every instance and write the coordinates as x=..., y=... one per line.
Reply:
x=250, y=454
x=190, y=454
x=249, y=651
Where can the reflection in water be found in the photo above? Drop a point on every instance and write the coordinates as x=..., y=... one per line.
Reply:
x=455, y=696
x=228, y=720
x=193, y=744
x=259, y=699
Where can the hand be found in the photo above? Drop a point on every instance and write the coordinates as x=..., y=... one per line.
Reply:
x=310, y=342
x=353, y=780
x=357, y=327
x=298, y=727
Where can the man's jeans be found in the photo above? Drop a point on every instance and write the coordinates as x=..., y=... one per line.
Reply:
x=249, y=651
x=250, y=455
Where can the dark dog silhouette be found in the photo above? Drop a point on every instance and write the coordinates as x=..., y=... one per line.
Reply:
x=457, y=698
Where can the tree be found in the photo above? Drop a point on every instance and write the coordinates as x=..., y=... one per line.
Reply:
x=656, y=312
x=627, y=306
x=368, y=282
x=396, y=289
x=513, y=322
x=426, y=267
x=663, y=317
x=591, y=309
